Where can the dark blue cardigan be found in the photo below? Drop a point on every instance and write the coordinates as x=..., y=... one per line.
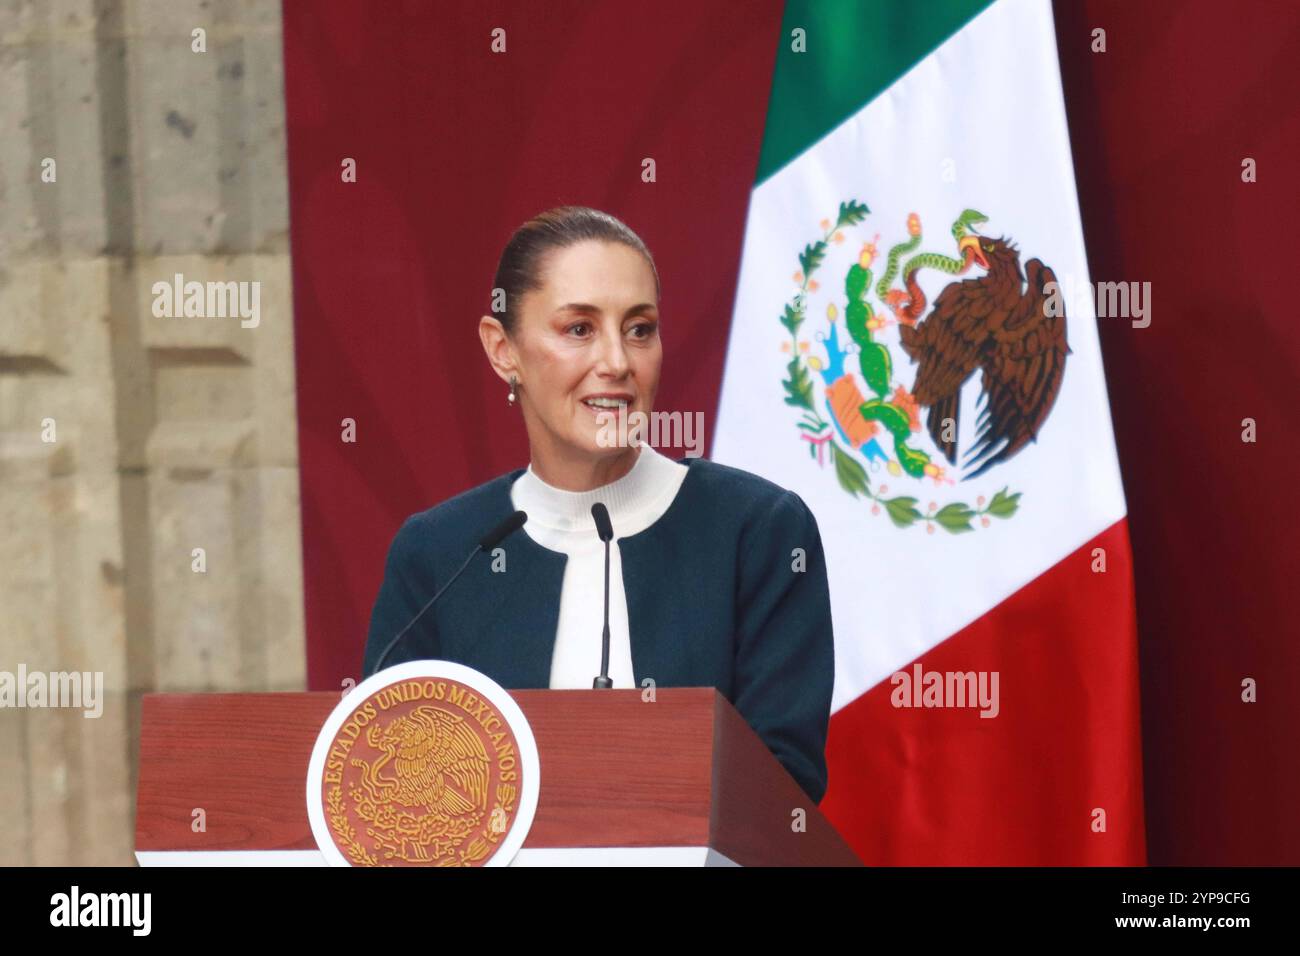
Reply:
x=716, y=597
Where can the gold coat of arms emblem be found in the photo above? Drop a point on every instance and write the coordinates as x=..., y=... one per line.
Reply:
x=423, y=769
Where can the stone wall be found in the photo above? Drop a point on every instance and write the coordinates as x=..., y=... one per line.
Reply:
x=128, y=439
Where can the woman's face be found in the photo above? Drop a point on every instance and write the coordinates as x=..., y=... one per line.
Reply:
x=591, y=331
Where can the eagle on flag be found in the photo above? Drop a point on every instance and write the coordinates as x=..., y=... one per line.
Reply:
x=1014, y=334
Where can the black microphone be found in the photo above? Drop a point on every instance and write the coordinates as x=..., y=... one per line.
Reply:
x=606, y=532
x=486, y=543
x=498, y=534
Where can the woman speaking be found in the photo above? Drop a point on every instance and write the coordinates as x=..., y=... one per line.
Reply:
x=717, y=576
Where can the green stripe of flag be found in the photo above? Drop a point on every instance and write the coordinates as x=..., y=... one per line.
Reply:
x=855, y=50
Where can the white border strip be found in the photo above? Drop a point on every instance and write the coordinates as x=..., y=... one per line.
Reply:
x=547, y=856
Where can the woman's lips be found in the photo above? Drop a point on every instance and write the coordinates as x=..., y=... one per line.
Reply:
x=607, y=409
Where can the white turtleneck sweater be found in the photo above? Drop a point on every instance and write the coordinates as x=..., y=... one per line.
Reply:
x=561, y=521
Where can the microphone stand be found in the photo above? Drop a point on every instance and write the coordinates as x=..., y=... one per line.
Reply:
x=606, y=532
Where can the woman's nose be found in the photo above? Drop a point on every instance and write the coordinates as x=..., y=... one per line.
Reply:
x=613, y=357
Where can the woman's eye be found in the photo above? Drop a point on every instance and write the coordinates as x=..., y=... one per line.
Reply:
x=581, y=327
x=644, y=330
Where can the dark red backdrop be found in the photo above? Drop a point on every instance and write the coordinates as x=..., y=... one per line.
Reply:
x=455, y=146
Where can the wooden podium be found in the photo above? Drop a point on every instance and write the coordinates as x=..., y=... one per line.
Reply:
x=682, y=781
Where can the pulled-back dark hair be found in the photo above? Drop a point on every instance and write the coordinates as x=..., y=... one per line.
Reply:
x=520, y=268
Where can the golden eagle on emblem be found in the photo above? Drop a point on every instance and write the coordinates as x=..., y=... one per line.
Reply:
x=438, y=760
x=997, y=325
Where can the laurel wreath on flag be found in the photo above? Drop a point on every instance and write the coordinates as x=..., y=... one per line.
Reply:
x=954, y=516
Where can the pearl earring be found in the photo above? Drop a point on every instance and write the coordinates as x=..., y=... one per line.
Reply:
x=511, y=397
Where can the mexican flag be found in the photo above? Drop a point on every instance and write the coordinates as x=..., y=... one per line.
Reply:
x=914, y=352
